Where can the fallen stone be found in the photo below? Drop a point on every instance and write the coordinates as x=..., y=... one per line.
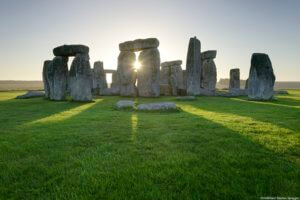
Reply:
x=126, y=73
x=81, y=78
x=186, y=98
x=70, y=50
x=261, y=78
x=193, y=67
x=31, y=94
x=139, y=44
x=161, y=106
x=125, y=104
x=209, y=54
x=149, y=73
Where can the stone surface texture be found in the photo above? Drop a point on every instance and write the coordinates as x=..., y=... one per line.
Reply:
x=234, y=81
x=123, y=104
x=99, y=78
x=149, y=74
x=139, y=44
x=81, y=78
x=31, y=94
x=70, y=50
x=261, y=78
x=208, y=72
x=126, y=73
x=45, y=78
x=160, y=106
x=57, y=76
x=193, y=67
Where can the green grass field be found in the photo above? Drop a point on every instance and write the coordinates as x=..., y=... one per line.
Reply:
x=214, y=148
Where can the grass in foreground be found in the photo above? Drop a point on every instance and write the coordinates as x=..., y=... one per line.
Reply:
x=215, y=148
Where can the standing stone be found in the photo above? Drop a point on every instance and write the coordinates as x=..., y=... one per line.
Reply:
x=81, y=78
x=148, y=74
x=209, y=72
x=165, y=75
x=99, y=79
x=261, y=78
x=176, y=79
x=193, y=67
x=57, y=76
x=234, y=82
x=45, y=78
x=126, y=73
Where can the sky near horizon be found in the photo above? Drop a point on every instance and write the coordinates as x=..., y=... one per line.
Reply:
x=30, y=29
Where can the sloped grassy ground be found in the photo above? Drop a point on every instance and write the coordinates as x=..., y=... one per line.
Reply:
x=214, y=148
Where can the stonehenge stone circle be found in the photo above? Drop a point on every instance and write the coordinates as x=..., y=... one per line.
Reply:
x=81, y=78
x=139, y=44
x=126, y=73
x=209, y=72
x=70, y=50
x=99, y=79
x=193, y=67
x=57, y=78
x=149, y=73
x=261, y=78
x=45, y=78
x=234, y=82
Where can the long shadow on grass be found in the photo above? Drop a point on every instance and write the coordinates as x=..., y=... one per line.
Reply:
x=183, y=153
x=285, y=117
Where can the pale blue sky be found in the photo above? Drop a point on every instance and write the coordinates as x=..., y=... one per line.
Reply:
x=30, y=29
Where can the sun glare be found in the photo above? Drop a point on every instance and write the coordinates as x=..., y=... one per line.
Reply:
x=137, y=65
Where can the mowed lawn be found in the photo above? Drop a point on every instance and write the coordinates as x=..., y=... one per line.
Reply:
x=214, y=148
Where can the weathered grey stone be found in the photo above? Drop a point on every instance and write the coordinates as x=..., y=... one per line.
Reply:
x=176, y=79
x=193, y=67
x=261, y=78
x=99, y=79
x=184, y=78
x=124, y=104
x=161, y=106
x=186, y=98
x=45, y=78
x=209, y=75
x=31, y=94
x=165, y=75
x=139, y=44
x=165, y=89
x=115, y=85
x=234, y=82
x=148, y=74
x=171, y=63
x=126, y=73
x=209, y=54
x=81, y=78
x=57, y=76
x=70, y=50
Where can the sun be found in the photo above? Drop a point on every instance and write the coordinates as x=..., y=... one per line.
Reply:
x=136, y=65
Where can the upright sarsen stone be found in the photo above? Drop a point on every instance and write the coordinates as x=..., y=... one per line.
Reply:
x=81, y=78
x=126, y=73
x=193, y=67
x=99, y=79
x=176, y=79
x=45, y=78
x=234, y=82
x=57, y=76
x=208, y=72
x=149, y=73
x=261, y=78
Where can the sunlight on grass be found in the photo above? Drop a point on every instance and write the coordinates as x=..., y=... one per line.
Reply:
x=66, y=114
x=266, y=103
x=134, y=121
x=269, y=135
